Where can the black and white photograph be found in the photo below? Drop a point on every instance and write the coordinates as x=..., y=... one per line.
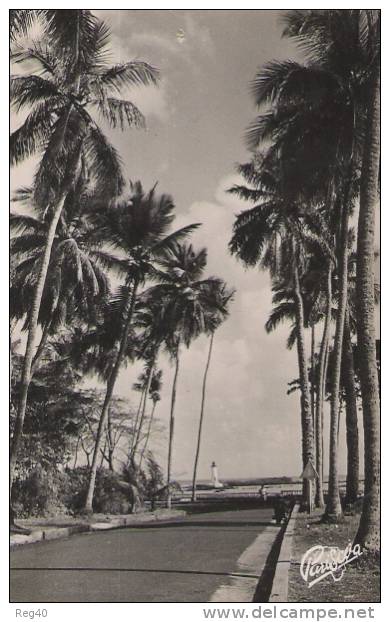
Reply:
x=194, y=308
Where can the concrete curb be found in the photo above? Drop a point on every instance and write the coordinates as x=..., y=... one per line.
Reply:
x=241, y=585
x=279, y=591
x=54, y=533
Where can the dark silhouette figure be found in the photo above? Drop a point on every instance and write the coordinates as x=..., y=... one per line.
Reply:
x=281, y=508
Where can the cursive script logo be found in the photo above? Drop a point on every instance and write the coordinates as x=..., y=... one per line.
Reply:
x=321, y=561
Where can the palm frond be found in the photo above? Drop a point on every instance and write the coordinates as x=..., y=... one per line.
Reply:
x=22, y=20
x=20, y=223
x=104, y=161
x=283, y=311
x=170, y=242
x=31, y=90
x=60, y=158
x=270, y=79
x=292, y=338
x=38, y=53
x=134, y=73
x=109, y=262
x=73, y=31
x=245, y=193
x=32, y=135
x=119, y=112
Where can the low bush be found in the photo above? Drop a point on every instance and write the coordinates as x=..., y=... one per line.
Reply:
x=40, y=494
x=50, y=493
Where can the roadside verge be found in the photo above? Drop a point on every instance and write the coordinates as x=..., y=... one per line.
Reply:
x=279, y=591
x=49, y=532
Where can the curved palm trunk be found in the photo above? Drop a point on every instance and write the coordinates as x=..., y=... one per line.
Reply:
x=319, y=429
x=147, y=434
x=172, y=430
x=333, y=505
x=348, y=373
x=31, y=338
x=369, y=528
x=109, y=444
x=201, y=418
x=141, y=401
x=306, y=418
x=41, y=347
x=107, y=400
x=143, y=411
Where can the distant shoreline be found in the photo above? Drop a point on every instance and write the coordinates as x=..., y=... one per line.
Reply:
x=256, y=481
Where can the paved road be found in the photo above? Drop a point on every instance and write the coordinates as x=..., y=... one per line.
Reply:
x=185, y=561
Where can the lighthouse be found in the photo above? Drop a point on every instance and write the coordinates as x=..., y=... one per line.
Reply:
x=214, y=476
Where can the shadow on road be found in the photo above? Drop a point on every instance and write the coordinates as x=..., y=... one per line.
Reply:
x=144, y=570
x=199, y=523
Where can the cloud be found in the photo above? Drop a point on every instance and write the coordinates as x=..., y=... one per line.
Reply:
x=225, y=198
x=246, y=395
x=152, y=102
x=199, y=35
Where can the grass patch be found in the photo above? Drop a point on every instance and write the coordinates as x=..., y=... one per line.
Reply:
x=361, y=580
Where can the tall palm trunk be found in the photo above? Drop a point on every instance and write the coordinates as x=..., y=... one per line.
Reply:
x=76, y=453
x=172, y=429
x=313, y=393
x=31, y=338
x=312, y=381
x=321, y=381
x=147, y=434
x=103, y=452
x=369, y=530
x=333, y=505
x=109, y=392
x=201, y=417
x=306, y=418
x=352, y=431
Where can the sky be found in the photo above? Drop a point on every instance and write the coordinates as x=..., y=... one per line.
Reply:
x=196, y=121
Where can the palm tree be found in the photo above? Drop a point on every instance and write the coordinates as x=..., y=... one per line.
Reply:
x=369, y=528
x=155, y=396
x=255, y=240
x=76, y=284
x=72, y=78
x=144, y=385
x=331, y=87
x=347, y=43
x=316, y=285
x=186, y=301
x=218, y=314
x=136, y=226
x=149, y=318
x=321, y=383
x=21, y=21
x=351, y=418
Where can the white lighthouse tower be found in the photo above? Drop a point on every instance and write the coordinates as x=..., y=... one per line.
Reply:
x=214, y=476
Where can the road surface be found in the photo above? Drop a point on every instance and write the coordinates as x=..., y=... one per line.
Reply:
x=185, y=561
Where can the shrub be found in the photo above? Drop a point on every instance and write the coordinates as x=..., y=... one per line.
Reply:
x=109, y=496
x=39, y=494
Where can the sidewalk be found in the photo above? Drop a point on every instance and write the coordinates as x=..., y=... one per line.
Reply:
x=361, y=579
x=65, y=526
